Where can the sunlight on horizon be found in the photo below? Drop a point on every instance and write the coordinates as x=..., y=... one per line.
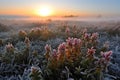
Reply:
x=44, y=11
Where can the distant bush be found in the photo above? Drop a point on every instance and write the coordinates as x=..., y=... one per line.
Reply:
x=70, y=31
x=42, y=33
x=22, y=34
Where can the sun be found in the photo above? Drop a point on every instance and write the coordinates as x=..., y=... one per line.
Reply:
x=45, y=11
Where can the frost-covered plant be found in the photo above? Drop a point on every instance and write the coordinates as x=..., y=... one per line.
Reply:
x=9, y=48
x=27, y=42
x=40, y=33
x=35, y=73
x=35, y=33
x=71, y=31
x=67, y=31
x=13, y=55
x=22, y=34
x=105, y=58
x=78, y=57
x=8, y=56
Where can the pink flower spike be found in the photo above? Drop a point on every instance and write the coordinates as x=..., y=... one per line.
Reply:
x=70, y=41
x=61, y=48
x=84, y=31
x=67, y=30
x=94, y=35
x=106, y=55
x=86, y=36
x=91, y=51
x=48, y=47
x=54, y=53
x=76, y=42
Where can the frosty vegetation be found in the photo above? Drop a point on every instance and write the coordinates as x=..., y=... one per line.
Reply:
x=60, y=51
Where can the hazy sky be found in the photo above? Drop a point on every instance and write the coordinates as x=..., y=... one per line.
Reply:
x=62, y=7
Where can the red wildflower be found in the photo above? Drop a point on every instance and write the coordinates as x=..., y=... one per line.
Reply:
x=91, y=51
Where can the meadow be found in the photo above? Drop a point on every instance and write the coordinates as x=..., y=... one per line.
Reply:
x=59, y=50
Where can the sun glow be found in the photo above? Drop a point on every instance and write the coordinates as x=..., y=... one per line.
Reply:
x=45, y=11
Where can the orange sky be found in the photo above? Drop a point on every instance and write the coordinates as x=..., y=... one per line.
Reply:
x=55, y=12
x=61, y=7
x=33, y=12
